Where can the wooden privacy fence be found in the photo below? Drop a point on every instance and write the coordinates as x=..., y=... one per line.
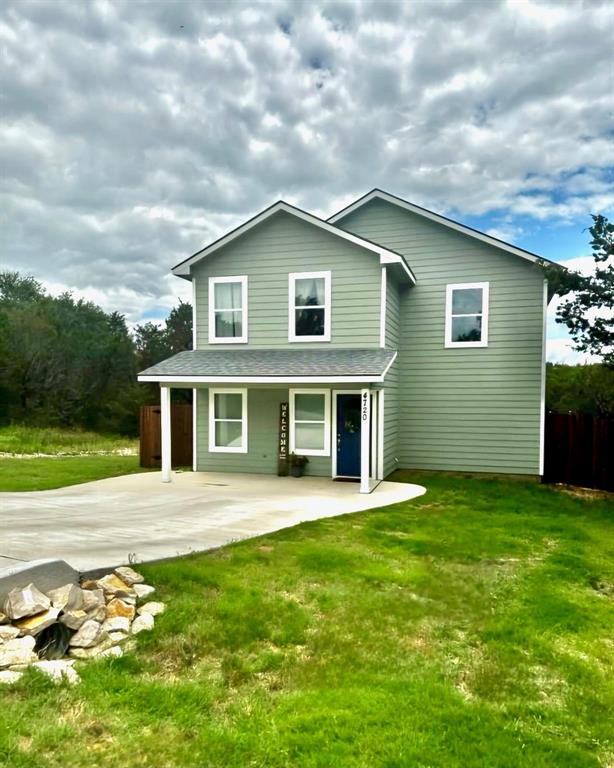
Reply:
x=579, y=450
x=151, y=438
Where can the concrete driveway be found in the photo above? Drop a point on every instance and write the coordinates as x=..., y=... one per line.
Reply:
x=104, y=523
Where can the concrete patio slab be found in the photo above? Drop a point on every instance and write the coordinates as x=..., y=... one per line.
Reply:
x=107, y=522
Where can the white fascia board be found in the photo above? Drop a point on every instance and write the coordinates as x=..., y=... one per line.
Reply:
x=432, y=216
x=389, y=366
x=183, y=269
x=394, y=258
x=194, y=380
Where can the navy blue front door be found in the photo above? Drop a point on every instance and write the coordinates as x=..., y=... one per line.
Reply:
x=348, y=435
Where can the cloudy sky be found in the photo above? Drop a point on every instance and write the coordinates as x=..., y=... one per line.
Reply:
x=135, y=132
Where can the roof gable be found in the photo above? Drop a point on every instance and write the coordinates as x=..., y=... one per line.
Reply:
x=379, y=194
x=386, y=256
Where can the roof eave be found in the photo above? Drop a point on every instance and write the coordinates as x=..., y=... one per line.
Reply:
x=188, y=381
x=437, y=217
x=183, y=269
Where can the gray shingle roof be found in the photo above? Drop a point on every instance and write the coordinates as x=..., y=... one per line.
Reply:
x=274, y=363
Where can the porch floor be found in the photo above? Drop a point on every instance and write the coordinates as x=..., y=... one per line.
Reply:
x=104, y=523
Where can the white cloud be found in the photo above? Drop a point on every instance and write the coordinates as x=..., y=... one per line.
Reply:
x=135, y=132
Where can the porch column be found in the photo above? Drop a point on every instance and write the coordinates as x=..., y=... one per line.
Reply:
x=365, y=442
x=165, y=421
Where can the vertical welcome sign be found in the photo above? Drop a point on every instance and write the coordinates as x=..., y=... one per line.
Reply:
x=282, y=455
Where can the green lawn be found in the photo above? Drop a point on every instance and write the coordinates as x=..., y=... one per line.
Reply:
x=470, y=628
x=41, y=474
x=49, y=440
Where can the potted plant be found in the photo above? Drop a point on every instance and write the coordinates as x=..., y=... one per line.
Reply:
x=297, y=465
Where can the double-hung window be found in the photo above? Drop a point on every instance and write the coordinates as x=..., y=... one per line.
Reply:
x=228, y=310
x=466, y=315
x=228, y=420
x=309, y=306
x=310, y=422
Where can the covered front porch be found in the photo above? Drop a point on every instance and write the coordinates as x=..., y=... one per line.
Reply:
x=265, y=411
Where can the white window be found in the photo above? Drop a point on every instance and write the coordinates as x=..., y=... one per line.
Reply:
x=228, y=310
x=228, y=420
x=467, y=315
x=310, y=422
x=309, y=305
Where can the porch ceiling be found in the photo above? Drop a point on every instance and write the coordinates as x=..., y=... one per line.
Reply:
x=234, y=365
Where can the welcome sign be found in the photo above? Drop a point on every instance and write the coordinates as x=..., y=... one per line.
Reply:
x=282, y=454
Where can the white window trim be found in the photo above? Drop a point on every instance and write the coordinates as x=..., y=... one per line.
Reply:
x=326, y=424
x=213, y=448
x=292, y=278
x=213, y=281
x=450, y=288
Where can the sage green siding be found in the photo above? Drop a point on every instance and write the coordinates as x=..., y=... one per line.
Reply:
x=462, y=409
x=391, y=387
x=262, y=437
x=267, y=254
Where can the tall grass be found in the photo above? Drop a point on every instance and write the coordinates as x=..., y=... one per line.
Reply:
x=19, y=439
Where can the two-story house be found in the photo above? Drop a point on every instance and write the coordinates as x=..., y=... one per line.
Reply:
x=397, y=337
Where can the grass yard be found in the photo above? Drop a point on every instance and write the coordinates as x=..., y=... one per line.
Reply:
x=469, y=628
x=41, y=474
x=19, y=439
x=69, y=456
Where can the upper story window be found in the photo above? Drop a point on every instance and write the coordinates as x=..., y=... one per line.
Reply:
x=467, y=315
x=227, y=310
x=309, y=304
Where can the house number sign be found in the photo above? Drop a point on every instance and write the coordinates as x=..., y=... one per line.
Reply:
x=282, y=455
x=365, y=406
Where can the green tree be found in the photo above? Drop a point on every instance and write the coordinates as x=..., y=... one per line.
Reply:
x=64, y=362
x=157, y=342
x=17, y=288
x=580, y=389
x=588, y=309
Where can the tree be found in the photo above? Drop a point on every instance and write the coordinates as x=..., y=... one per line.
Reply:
x=157, y=342
x=580, y=389
x=67, y=362
x=588, y=310
x=15, y=288
x=64, y=362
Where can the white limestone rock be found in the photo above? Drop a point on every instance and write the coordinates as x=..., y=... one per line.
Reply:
x=92, y=599
x=19, y=650
x=74, y=619
x=113, y=585
x=119, y=607
x=89, y=633
x=114, y=651
x=34, y=625
x=118, y=637
x=97, y=614
x=58, y=670
x=25, y=602
x=116, y=624
x=143, y=590
x=152, y=608
x=67, y=598
x=8, y=632
x=128, y=575
x=143, y=623
x=8, y=676
x=93, y=651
